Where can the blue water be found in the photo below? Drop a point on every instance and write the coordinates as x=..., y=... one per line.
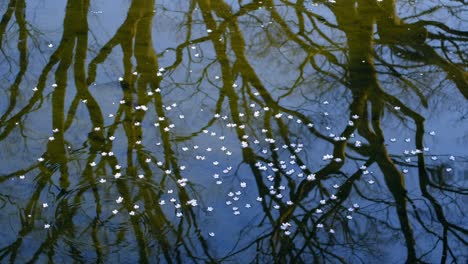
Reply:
x=233, y=131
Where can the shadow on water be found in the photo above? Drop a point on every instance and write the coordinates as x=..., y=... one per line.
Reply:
x=210, y=132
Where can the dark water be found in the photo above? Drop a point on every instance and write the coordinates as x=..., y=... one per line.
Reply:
x=233, y=132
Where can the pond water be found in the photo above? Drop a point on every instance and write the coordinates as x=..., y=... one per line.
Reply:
x=174, y=131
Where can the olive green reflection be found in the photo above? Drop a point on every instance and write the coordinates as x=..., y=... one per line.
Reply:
x=358, y=48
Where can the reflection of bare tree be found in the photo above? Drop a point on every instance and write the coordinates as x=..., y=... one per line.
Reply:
x=56, y=155
x=142, y=175
x=366, y=92
x=18, y=8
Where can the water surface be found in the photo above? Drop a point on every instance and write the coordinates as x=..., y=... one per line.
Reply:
x=233, y=132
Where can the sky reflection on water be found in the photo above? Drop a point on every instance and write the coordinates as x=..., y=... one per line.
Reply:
x=222, y=131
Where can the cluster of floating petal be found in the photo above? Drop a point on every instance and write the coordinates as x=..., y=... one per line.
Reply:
x=229, y=137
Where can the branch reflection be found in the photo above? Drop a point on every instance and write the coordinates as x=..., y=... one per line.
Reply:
x=270, y=131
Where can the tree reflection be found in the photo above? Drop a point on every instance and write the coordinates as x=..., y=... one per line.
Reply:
x=326, y=210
